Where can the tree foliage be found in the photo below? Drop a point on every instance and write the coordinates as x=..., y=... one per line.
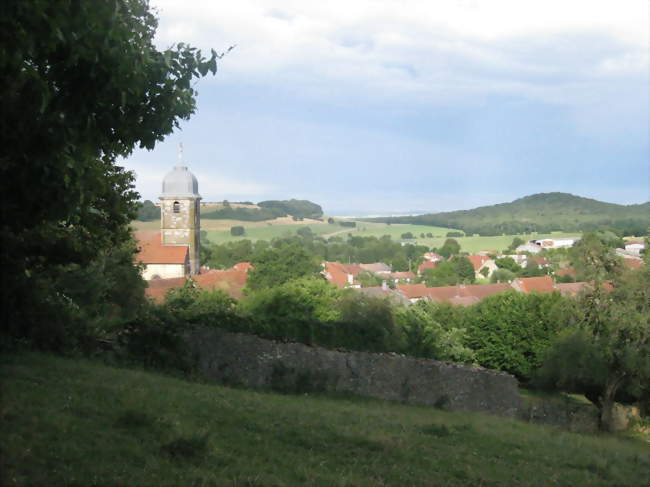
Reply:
x=276, y=266
x=606, y=351
x=83, y=84
x=147, y=211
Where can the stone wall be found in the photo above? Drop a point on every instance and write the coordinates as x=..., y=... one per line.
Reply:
x=249, y=361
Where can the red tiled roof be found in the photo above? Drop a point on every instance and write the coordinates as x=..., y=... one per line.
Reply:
x=402, y=275
x=527, y=285
x=633, y=264
x=427, y=265
x=567, y=271
x=152, y=251
x=231, y=281
x=478, y=261
x=444, y=293
x=354, y=269
x=336, y=273
x=243, y=266
x=570, y=289
x=413, y=291
x=481, y=291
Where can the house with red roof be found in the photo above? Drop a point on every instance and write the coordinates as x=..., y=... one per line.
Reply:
x=427, y=264
x=482, y=261
x=161, y=261
x=406, y=277
x=543, y=284
x=341, y=275
x=231, y=281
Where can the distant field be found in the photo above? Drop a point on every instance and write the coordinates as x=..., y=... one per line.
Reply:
x=219, y=232
x=75, y=422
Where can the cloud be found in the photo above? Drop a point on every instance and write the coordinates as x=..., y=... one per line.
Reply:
x=423, y=51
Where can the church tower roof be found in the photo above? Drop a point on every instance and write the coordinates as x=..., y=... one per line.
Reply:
x=180, y=183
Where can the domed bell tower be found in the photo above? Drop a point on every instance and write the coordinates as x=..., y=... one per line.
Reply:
x=181, y=211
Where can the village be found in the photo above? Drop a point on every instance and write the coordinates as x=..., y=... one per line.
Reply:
x=171, y=256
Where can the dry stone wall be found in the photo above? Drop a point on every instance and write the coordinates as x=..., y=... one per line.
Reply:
x=250, y=361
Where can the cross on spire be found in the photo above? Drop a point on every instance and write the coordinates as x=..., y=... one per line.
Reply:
x=180, y=153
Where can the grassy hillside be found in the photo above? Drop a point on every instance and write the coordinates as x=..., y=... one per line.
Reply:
x=544, y=212
x=73, y=422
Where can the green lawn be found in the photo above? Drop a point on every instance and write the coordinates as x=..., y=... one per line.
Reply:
x=74, y=422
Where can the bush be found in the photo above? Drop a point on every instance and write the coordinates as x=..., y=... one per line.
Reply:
x=237, y=231
x=454, y=234
x=511, y=331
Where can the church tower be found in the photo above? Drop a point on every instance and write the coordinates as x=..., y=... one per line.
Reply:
x=180, y=212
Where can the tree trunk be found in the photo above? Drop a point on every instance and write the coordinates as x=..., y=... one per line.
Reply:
x=608, y=419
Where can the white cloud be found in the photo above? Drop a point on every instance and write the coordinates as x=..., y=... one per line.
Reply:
x=425, y=50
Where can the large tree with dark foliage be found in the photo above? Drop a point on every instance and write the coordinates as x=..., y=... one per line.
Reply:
x=82, y=85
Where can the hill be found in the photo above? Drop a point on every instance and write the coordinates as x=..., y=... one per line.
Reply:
x=76, y=422
x=267, y=210
x=543, y=212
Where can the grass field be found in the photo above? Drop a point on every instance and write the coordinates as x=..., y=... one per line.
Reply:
x=74, y=422
x=219, y=232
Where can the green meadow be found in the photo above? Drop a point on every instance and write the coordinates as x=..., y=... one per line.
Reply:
x=218, y=231
x=77, y=422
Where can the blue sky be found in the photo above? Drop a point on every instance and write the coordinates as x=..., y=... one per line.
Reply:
x=371, y=107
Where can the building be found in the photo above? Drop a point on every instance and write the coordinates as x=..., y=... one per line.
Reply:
x=173, y=252
x=634, y=247
x=482, y=261
x=180, y=213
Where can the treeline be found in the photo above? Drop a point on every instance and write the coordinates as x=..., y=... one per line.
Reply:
x=268, y=210
x=355, y=249
x=542, y=213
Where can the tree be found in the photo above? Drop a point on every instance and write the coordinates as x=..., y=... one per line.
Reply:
x=407, y=235
x=147, y=211
x=443, y=274
x=290, y=309
x=83, y=85
x=275, y=266
x=485, y=272
x=464, y=269
x=594, y=260
x=516, y=242
x=237, y=231
x=508, y=263
x=502, y=275
x=607, y=350
x=449, y=248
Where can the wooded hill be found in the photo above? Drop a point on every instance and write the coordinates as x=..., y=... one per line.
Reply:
x=268, y=210
x=543, y=212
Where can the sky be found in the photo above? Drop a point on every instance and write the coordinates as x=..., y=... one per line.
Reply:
x=387, y=107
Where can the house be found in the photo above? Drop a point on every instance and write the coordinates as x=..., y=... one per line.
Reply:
x=161, y=261
x=543, y=284
x=482, y=261
x=432, y=257
x=406, y=277
x=231, y=281
x=413, y=292
x=427, y=264
x=529, y=247
x=566, y=271
x=555, y=243
x=634, y=246
x=341, y=275
x=384, y=291
x=378, y=268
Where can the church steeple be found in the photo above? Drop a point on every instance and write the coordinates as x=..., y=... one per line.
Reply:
x=180, y=208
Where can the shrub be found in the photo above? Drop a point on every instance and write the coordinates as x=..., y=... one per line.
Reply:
x=237, y=231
